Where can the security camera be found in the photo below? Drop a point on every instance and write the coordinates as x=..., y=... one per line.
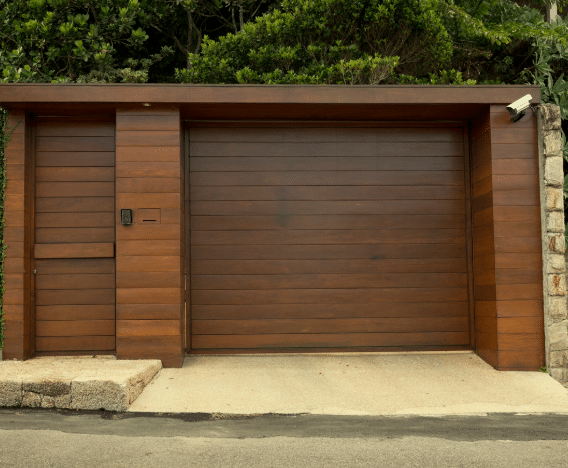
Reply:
x=516, y=108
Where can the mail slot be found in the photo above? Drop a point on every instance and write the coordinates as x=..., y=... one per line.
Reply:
x=148, y=216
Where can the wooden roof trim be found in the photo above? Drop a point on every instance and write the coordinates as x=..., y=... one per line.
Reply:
x=180, y=94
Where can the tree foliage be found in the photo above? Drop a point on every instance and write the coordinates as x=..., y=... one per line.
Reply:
x=326, y=41
x=109, y=40
x=377, y=41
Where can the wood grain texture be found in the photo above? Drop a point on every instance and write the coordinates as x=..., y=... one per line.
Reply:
x=326, y=193
x=325, y=221
x=328, y=311
x=77, y=143
x=327, y=149
x=297, y=222
x=288, y=209
x=484, y=294
x=329, y=340
x=322, y=326
x=75, y=328
x=74, y=250
x=150, y=253
x=75, y=343
x=74, y=236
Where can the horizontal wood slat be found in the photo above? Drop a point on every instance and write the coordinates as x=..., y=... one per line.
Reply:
x=75, y=328
x=74, y=204
x=244, y=164
x=76, y=296
x=326, y=149
x=328, y=237
x=329, y=311
x=68, y=128
x=76, y=312
x=78, y=158
x=69, y=266
x=78, y=250
x=292, y=178
x=74, y=281
x=376, y=252
x=354, y=222
x=346, y=266
x=75, y=174
x=320, y=326
x=74, y=189
x=329, y=340
x=327, y=296
x=63, y=143
x=332, y=281
x=74, y=235
x=288, y=209
x=327, y=193
x=324, y=135
x=75, y=343
x=74, y=220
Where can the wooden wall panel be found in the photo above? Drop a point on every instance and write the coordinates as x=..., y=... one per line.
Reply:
x=327, y=237
x=483, y=239
x=17, y=308
x=74, y=235
x=518, y=274
x=507, y=241
x=149, y=180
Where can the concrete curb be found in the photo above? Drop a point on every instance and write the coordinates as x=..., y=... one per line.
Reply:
x=75, y=382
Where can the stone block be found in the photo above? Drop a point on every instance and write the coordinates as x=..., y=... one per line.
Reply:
x=51, y=388
x=63, y=401
x=550, y=116
x=556, y=243
x=557, y=285
x=554, y=199
x=559, y=374
x=557, y=308
x=10, y=393
x=559, y=359
x=93, y=394
x=552, y=140
x=558, y=336
x=555, y=221
x=553, y=171
x=31, y=400
x=48, y=402
x=556, y=263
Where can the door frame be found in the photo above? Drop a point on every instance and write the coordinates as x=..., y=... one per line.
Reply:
x=189, y=123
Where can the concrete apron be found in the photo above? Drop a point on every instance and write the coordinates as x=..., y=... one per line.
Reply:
x=418, y=383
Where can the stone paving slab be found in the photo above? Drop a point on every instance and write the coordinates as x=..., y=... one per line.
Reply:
x=75, y=382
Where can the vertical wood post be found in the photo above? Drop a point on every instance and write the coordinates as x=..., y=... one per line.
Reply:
x=16, y=238
x=507, y=241
x=150, y=252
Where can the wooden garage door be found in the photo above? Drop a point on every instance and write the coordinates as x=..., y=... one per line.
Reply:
x=327, y=238
x=74, y=236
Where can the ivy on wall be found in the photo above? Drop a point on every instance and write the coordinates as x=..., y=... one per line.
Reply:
x=3, y=142
x=5, y=134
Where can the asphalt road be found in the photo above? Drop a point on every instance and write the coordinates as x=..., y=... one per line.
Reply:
x=59, y=438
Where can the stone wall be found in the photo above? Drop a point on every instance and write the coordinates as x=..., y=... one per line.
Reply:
x=553, y=242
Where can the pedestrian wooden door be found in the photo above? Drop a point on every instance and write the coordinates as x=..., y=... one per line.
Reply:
x=74, y=235
x=327, y=238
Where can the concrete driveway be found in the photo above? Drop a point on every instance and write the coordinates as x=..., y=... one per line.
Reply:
x=427, y=383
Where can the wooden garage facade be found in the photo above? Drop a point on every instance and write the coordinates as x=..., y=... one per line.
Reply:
x=272, y=219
